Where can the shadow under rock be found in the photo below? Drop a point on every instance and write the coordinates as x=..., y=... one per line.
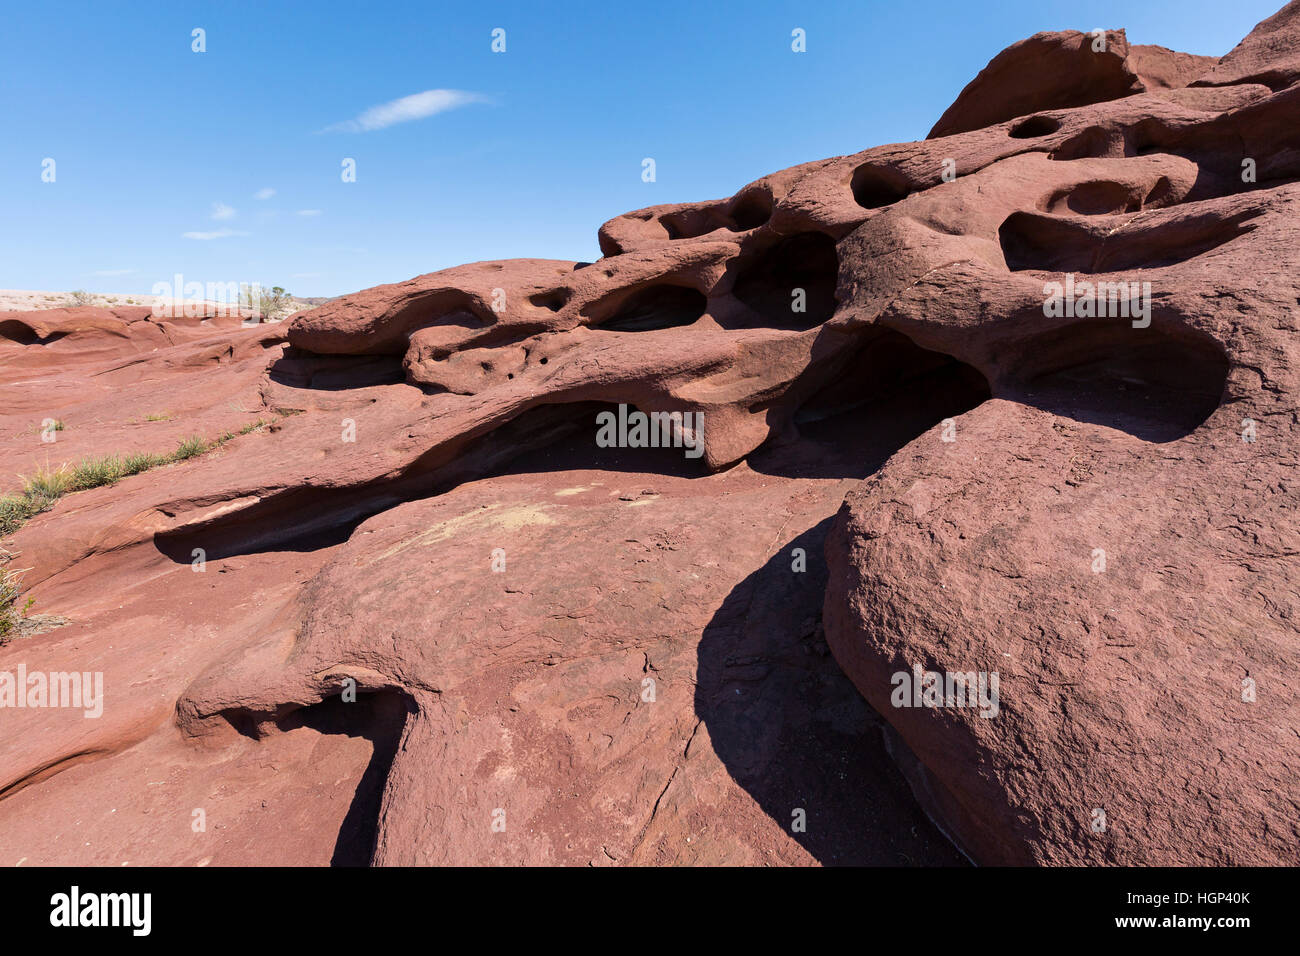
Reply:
x=795, y=733
x=378, y=717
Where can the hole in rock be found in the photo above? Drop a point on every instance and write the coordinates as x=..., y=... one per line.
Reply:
x=747, y=211
x=876, y=186
x=1097, y=198
x=1034, y=127
x=1208, y=149
x=435, y=307
x=574, y=448
x=1216, y=148
x=1147, y=137
x=657, y=307
x=553, y=300
x=751, y=211
x=767, y=284
x=879, y=397
x=692, y=222
x=1031, y=241
x=19, y=332
x=298, y=368
x=1161, y=194
x=1148, y=382
x=1095, y=142
x=1275, y=80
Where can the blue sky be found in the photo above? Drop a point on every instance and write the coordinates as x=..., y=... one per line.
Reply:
x=153, y=141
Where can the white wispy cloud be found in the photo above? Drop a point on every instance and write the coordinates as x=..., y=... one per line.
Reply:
x=221, y=211
x=413, y=107
x=217, y=234
x=113, y=272
x=266, y=193
x=309, y=212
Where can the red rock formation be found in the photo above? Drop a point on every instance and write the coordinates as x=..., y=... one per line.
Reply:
x=1113, y=534
x=618, y=653
x=1056, y=71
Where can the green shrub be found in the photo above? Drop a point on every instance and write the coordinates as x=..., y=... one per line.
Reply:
x=269, y=304
x=190, y=447
x=14, y=510
x=141, y=461
x=95, y=472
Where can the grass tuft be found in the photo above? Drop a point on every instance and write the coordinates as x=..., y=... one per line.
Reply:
x=48, y=483
x=141, y=461
x=14, y=510
x=9, y=616
x=96, y=472
x=190, y=448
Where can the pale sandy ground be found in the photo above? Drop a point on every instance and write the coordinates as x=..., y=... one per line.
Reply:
x=21, y=300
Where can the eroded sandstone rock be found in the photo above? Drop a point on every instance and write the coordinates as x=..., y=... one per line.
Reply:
x=881, y=314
